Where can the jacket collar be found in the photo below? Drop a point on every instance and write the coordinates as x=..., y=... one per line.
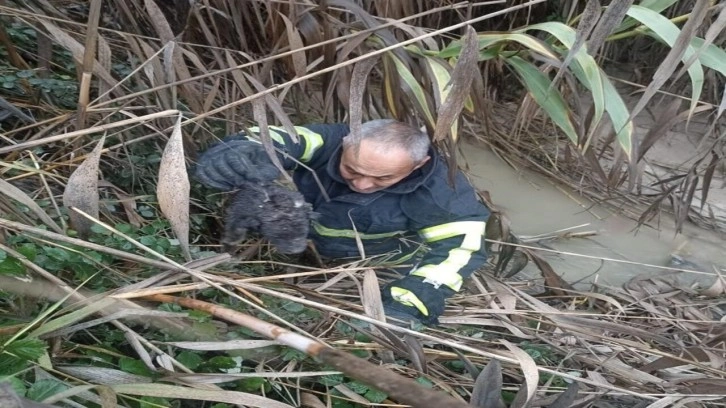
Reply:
x=405, y=186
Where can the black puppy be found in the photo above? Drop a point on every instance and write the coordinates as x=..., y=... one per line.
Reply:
x=277, y=213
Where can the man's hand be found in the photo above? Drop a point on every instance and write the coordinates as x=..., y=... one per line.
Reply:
x=411, y=299
x=229, y=163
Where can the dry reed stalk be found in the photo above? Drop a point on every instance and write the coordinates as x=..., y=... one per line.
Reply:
x=400, y=388
x=89, y=58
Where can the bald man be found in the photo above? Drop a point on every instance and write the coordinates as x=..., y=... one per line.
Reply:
x=386, y=187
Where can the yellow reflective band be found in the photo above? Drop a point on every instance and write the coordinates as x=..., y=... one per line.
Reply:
x=447, y=272
x=313, y=142
x=273, y=134
x=452, y=229
x=406, y=297
x=345, y=233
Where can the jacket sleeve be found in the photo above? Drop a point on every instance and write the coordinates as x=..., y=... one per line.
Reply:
x=453, y=229
x=315, y=143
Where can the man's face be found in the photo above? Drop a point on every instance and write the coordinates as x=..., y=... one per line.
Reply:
x=373, y=168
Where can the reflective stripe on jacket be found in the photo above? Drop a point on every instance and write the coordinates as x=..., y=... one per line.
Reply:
x=422, y=209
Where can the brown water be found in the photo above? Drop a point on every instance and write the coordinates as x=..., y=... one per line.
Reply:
x=535, y=206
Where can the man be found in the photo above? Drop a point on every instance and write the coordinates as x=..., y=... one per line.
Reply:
x=387, y=188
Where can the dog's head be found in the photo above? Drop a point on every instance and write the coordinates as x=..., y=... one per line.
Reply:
x=278, y=214
x=287, y=224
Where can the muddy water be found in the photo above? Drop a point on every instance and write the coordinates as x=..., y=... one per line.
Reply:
x=535, y=206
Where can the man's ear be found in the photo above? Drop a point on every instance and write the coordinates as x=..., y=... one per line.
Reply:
x=422, y=162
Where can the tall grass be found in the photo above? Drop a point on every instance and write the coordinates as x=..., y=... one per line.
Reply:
x=124, y=88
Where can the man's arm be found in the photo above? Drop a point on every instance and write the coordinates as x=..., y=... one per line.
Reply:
x=241, y=157
x=314, y=142
x=453, y=228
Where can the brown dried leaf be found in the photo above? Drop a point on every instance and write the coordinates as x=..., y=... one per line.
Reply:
x=610, y=19
x=460, y=85
x=173, y=188
x=20, y=196
x=357, y=90
x=158, y=20
x=127, y=202
x=372, y=303
x=260, y=115
x=299, y=61
x=308, y=400
x=668, y=66
x=566, y=399
x=416, y=353
x=104, y=58
x=553, y=281
x=588, y=20
x=665, y=402
x=77, y=50
x=487, y=392
x=668, y=118
x=531, y=375
x=82, y=192
x=708, y=176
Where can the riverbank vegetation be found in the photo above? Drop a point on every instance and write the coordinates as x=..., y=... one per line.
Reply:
x=114, y=290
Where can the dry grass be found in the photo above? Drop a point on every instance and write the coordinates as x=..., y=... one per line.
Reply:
x=149, y=72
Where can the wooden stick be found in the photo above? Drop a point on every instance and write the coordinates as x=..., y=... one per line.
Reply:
x=398, y=387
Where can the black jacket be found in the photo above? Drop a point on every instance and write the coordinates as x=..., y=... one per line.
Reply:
x=422, y=211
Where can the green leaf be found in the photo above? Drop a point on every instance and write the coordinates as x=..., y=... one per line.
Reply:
x=134, y=366
x=655, y=5
x=57, y=253
x=28, y=250
x=26, y=73
x=356, y=387
x=331, y=380
x=11, y=365
x=666, y=31
x=425, y=382
x=190, y=359
x=153, y=402
x=418, y=93
x=585, y=67
x=487, y=41
x=12, y=267
x=3, y=255
x=28, y=348
x=253, y=384
x=549, y=99
x=43, y=389
x=293, y=307
x=221, y=363
x=375, y=396
x=712, y=56
x=619, y=115
x=16, y=384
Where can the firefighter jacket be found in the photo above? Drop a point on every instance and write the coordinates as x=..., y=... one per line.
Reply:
x=422, y=211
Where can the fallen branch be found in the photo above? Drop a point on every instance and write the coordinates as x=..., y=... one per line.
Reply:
x=399, y=388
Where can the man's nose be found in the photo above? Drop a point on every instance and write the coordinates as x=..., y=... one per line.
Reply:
x=363, y=183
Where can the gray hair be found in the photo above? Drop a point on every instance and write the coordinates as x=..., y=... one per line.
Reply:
x=390, y=133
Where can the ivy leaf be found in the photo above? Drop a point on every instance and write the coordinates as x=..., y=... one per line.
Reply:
x=43, y=389
x=28, y=348
x=375, y=396
x=134, y=366
x=12, y=266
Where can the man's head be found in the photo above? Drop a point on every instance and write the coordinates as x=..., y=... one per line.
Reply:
x=384, y=153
